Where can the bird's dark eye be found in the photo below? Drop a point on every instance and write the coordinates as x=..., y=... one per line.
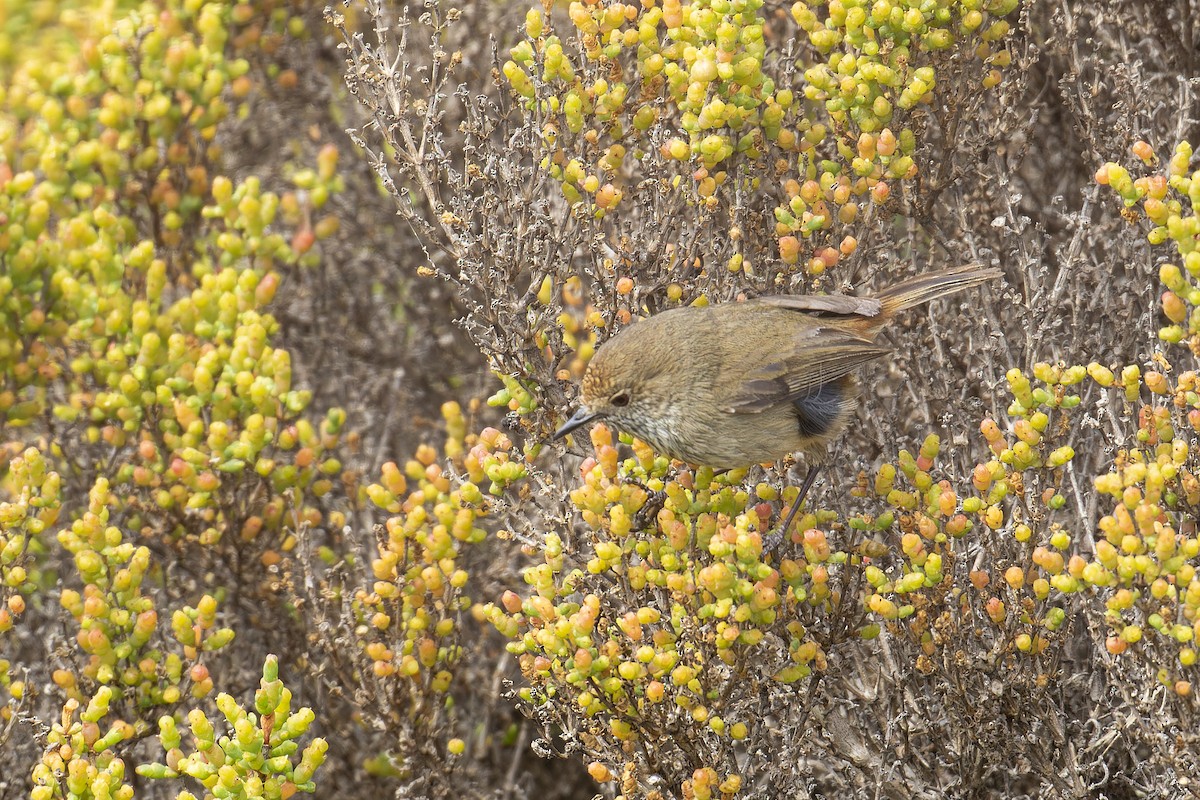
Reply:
x=620, y=399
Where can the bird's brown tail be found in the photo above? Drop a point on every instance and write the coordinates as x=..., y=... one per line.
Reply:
x=932, y=285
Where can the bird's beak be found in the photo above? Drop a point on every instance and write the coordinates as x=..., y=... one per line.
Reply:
x=582, y=417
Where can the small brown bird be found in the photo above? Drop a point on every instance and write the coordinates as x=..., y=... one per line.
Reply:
x=736, y=384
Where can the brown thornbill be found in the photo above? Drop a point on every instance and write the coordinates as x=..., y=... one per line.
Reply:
x=736, y=384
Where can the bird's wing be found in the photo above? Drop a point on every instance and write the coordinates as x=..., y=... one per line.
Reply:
x=820, y=355
x=824, y=304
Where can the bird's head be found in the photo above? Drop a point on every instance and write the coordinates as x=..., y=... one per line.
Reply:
x=631, y=384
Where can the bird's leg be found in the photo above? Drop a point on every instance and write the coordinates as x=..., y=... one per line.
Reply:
x=809, y=479
x=775, y=538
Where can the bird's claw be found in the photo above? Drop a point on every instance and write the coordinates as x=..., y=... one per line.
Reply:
x=649, y=510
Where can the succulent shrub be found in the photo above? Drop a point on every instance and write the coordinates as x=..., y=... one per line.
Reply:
x=240, y=414
x=701, y=152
